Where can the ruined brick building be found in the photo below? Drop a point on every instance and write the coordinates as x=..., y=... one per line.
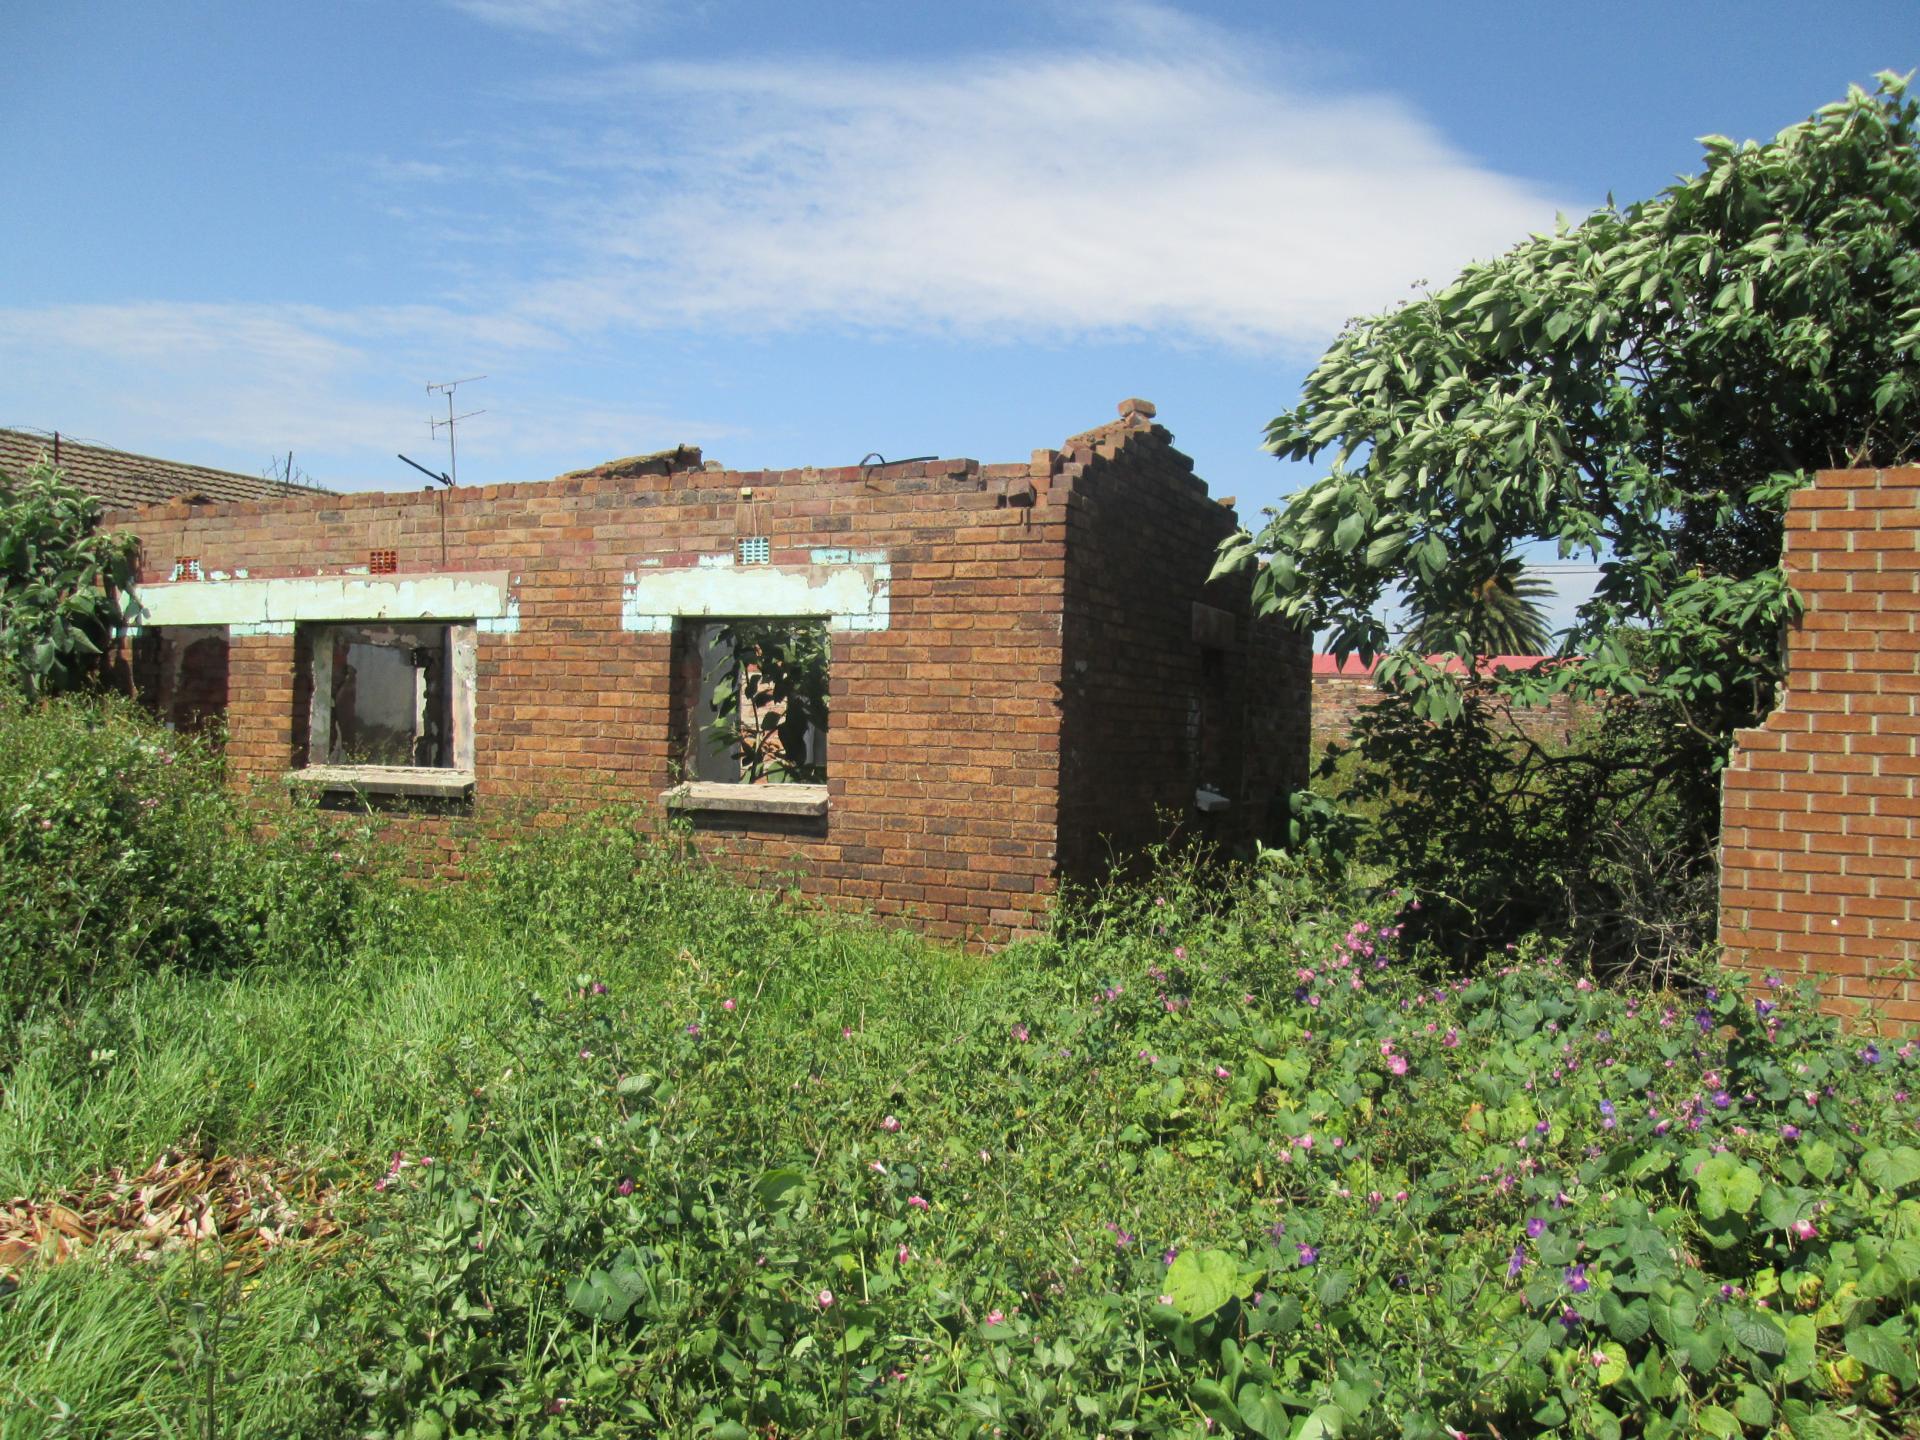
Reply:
x=1027, y=670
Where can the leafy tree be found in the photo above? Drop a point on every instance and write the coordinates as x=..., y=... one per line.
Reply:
x=1503, y=613
x=1648, y=388
x=61, y=584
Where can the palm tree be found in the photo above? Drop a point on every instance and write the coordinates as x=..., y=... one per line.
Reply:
x=1499, y=614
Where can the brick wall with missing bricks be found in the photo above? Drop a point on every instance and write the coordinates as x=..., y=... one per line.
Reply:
x=945, y=787
x=1820, y=857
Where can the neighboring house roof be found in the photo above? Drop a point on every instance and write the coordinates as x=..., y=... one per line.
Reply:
x=1326, y=667
x=122, y=481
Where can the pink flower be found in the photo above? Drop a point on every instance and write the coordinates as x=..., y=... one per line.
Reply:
x=1220, y=1072
x=890, y=1125
x=625, y=1187
x=824, y=1299
x=994, y=1317
x=1179, y=952
x=1802, y=1230
x=876, y=1167
x=900, y=1255
x=918, y=1202
x=1021, y=1034
x=727, y=1004
x=1397, y=1064
x=846, y=1032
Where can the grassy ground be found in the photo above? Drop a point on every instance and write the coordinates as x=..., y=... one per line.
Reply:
x=618, y=1147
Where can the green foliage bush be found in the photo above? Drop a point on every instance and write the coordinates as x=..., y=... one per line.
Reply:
x=1606, y=840
x=61, y=583
x=120, y=850
x=1204, y=1159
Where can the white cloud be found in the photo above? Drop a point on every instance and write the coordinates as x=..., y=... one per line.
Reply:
x=1173, y=189
x=231, y=385
x=1165, y=181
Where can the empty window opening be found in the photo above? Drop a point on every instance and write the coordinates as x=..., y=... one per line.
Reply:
x=758, y=714
x=181, y=671
x=391, y=695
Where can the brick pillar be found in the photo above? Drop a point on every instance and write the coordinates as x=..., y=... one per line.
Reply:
x=266, y=710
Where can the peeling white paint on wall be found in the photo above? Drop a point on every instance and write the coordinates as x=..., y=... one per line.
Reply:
x=271, y=607
x=852, y=589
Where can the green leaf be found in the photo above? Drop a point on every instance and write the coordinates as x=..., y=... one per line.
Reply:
x=1818, y=1156
x=1893, y=1169
x=1754, y=1407
x=1325, y=1423
x=1334, y=1285
x=1726, y=1184
x=1613, y=1363
x=1201, y=1281
x=1627, y=1321
x=1347, y=533
x=1886, y=1347
x=1213, y=1401
x=1802, y=1341
x=1756, y=1330
x=1715, y=1421
x=1262, y=1412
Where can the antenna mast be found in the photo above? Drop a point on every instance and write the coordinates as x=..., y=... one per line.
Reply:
x=446, y=388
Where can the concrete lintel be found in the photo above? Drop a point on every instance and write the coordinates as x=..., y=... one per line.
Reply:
x=806, y=801
x=482, y=595
x=849, y=595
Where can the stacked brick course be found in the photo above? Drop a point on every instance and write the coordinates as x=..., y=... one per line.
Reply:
x=1039, y=610
x=1820, y=860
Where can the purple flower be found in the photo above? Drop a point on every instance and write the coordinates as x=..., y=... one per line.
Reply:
x=1517, y=1261
x=693, y=1029
x=1870, y=1055
x=625, y=1187
x=1704, y=1019
x=1570, y=1318
x=1576, y=1278
x=1536, y=1227
x=1277, y=1230
x=1789, y=1132
x=1721, y=1100
x=1307, y=1253
x=1169, y=1255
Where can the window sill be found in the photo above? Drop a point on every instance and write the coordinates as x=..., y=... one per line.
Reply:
x=386, y=780
x=808, y=802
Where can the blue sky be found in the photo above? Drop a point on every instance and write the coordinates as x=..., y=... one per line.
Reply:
x=796, y=233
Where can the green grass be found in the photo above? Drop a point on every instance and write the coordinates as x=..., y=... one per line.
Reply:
x=1215, y=1151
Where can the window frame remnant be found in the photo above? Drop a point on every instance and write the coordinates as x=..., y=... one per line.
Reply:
x=746, y=767
x=444, y=708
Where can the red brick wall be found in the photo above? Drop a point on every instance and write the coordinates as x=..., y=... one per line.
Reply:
x=1151, y=713
x=1820, y=809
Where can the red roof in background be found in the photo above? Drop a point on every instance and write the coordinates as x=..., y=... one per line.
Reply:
x=1326, y=667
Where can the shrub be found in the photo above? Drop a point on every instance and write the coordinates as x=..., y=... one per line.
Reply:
x=121, y=850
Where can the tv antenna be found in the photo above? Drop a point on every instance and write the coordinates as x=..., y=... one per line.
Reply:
x=446, y=388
